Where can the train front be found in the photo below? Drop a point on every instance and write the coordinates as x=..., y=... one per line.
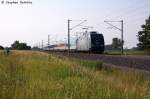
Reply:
x=97, y=42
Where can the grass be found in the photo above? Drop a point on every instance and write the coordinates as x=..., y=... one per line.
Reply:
x=36, y=75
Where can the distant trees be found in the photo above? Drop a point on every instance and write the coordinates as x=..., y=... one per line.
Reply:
x=1, y=47
x=35, y=48
x=116, y=44
x=20, y=46
x=108, y=47
x=144, y=36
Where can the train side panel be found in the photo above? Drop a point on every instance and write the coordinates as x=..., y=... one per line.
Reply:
x=83, y=43
x=92, y=41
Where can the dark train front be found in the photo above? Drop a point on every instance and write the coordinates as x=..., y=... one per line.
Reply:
x=97, y=42
x=90, y=42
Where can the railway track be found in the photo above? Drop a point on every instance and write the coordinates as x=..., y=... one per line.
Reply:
x=134, y=62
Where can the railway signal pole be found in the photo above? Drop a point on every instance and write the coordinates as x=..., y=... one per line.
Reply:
x=120, y=29
x=69, y=37
x=122, y=37
x=69, y=29
x=42, y=44
x=39, y=45
x=48, y=42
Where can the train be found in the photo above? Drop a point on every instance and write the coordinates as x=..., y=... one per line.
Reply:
x=90, y=42
x=87, y=42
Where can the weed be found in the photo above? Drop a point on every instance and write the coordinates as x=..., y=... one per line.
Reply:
x=36, y=75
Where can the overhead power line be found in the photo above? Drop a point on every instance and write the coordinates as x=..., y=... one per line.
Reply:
x=130, y=10
x=71, y=28
x=120, y=29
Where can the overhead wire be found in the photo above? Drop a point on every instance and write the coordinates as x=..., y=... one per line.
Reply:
x=132, y=10
x=121, y=13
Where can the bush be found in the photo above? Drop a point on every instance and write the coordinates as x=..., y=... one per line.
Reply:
x=1, y=47
x=92, y=64
x=20, y=46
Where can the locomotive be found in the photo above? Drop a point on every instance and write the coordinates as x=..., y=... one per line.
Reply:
x=90, y=42
x=87, y=42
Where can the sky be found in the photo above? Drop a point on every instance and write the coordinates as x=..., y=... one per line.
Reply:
x=32, y=23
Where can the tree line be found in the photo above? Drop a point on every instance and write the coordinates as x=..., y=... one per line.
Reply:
x=18, y=46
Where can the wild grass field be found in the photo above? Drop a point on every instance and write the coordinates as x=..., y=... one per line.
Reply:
x=37, y=75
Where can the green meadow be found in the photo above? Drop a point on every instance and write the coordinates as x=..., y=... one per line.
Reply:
x=37, y=75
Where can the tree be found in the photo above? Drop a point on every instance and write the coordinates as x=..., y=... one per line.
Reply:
x=15, y=45
x=108, y=47
x=116, y=43
x=20, y=46
x=23, y=46
x=144, y=36
x=35, y=48
x=1, y=47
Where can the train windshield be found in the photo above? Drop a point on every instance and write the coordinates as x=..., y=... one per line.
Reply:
x=97, y=39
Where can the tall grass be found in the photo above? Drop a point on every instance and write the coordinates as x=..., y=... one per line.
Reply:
x=36, y=75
